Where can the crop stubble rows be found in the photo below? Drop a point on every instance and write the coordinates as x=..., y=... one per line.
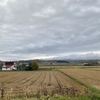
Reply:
x=91, y=77
x=34, y=81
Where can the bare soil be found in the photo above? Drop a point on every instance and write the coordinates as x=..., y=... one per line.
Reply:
x=90, y=76
x=38, y=81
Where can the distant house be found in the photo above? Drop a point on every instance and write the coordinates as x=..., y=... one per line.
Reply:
x=9, y=66
x=98, y=62
x=22, y=65
x=84, y=64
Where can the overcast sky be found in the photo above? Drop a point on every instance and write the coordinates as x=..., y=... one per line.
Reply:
x=32, y=29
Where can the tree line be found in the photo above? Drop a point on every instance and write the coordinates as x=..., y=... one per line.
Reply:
x=33, y=65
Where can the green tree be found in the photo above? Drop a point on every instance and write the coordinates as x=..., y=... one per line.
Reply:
x=1, y=64
x=23, y=66
x=33, y=65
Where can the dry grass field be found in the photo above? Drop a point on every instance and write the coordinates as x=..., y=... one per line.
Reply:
x=38, y=81
x=52, y=80
x=90, y=76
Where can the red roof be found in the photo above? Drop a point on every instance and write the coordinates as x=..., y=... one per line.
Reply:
x=8, y=64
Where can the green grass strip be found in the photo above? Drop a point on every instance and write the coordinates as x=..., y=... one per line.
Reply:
x=91, y=88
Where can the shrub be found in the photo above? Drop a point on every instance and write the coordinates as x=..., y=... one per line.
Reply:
x=33, y=65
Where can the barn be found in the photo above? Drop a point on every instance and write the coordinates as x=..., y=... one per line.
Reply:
x=9, y=66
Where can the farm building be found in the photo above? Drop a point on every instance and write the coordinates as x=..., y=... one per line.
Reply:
x=9, y=66
x=98, y=62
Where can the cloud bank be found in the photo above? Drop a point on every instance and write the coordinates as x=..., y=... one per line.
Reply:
x=32, y=29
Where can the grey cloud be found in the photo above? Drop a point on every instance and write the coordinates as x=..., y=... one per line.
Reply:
x=34, y=28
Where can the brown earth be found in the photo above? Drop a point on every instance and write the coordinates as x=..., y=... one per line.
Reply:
x=38, y=81
x=89, y=76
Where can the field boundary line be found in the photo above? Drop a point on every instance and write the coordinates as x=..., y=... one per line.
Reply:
x=91, y=88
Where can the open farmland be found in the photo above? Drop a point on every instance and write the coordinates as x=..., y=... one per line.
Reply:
x=89, y=76
x=95, y=69
x=38, y=81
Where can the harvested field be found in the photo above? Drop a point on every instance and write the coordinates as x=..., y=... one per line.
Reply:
x=89, y=76
x=95, y=69
x=38, y=81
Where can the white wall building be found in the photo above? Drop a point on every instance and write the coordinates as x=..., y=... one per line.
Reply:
x=9, y=66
